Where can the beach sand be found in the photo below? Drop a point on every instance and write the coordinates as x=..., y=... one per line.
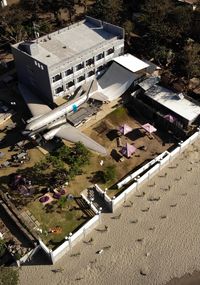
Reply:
x=152, y=242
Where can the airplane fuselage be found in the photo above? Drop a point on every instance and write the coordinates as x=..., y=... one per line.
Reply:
x=55, y=117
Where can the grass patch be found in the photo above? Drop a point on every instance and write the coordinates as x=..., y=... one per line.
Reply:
x=50, y=216
x=117, y=115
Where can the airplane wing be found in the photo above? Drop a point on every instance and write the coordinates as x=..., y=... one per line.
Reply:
x=99, y=96
x=72, y=134
x=35, y=105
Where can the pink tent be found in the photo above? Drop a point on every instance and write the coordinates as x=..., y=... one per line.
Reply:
x=149, y=128
x=125, y=129
x=170, y=118
x=128, y=150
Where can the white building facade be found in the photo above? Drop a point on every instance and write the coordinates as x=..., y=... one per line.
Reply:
x=58, y=63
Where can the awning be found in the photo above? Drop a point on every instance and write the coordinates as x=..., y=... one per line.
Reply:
x=170, y=118
x=149, y=128
x=128, y=150
x=125, y=129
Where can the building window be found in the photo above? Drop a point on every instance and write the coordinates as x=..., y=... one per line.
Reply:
x=110, y=51
x=69, y=71
x=80, y=66
x=101, y=67
x=100, y=56
x=58, y=90
x=56, y=77
x=90, y=61
x=90, y=73
x=70, y=84
x=81, y=78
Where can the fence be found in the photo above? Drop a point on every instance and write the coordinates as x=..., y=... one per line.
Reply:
x=107, y=200
x=72, y=240
x=28, y=256
x=141, y=170
x=90, y=204
x=154, y=166
x=157, y=164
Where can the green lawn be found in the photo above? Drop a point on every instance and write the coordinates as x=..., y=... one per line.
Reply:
x=68, y=219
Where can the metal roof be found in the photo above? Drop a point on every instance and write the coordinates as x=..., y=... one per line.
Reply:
x=179, y=105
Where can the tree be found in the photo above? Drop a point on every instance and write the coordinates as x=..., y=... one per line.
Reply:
x=62, y=202
x=109, y=173
x=83, y=3
x=2, y=247
x=32, y=6
x=191, y=60
x=74, y=170
x=64, y=153
x=82, y=154
x=128, y=26
x=69, y=5
x=52, y=6
x=55, y=161
x=60, y=175
x=107, y=10
x=13, y=27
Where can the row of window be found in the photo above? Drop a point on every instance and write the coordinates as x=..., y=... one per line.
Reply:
x=39, y=65
x=79, y=79
x=81, y=65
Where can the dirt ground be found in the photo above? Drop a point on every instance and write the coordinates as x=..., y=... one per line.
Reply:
x=10, y=131
x=105, y=133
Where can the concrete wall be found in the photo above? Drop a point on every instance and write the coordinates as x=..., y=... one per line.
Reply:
x=161, y=161
x=32, y=73
x=71, y=241
x=118, y=31
x=103, y=195
x=140, y=170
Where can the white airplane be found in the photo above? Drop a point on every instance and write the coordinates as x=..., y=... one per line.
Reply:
x=54, y=122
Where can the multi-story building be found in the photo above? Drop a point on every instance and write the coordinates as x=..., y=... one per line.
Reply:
x=58, y=63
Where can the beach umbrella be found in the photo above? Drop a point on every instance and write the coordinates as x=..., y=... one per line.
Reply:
x=128, y=150
x=125, y=129
x=170, y=118
x=149, y=128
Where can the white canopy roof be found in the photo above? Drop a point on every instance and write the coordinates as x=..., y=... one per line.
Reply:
x=131, y=62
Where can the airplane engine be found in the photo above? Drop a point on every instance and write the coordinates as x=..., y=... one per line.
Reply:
x=50, y=134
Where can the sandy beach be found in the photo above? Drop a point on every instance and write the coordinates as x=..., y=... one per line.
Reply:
x=151, y=239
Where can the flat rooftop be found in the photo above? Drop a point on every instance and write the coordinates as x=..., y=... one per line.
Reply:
x=183, y=107
x=73, y=40
x=131, y=62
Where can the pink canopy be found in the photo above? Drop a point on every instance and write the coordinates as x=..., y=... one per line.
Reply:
x=170, y=118
x=128, y=150
x=125, y=129
x=149, y=128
